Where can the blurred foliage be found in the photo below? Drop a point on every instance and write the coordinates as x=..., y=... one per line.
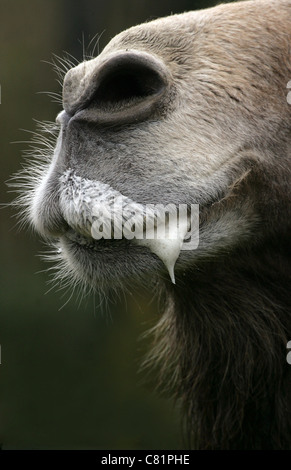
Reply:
x=69, y=376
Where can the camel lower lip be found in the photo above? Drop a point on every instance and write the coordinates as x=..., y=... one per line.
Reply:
x=79, y=239
x=103, y=264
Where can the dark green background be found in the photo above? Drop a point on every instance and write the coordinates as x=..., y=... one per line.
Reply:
x=68, y=376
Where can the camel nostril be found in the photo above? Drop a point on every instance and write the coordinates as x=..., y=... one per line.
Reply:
x=127, y=82
x=126, y=87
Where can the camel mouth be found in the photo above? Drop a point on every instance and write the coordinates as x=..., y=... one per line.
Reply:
x=98, y=215
x=91, y=244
